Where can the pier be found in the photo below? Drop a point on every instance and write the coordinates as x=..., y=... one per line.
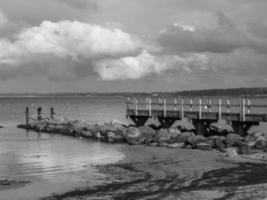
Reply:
x=242, y=113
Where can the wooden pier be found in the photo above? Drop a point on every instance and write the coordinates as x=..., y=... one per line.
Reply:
x=201, y=111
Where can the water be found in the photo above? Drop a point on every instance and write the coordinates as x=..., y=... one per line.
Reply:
x=54, y=163
x=98, y=109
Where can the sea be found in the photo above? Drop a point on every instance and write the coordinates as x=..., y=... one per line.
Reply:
x=54, y=163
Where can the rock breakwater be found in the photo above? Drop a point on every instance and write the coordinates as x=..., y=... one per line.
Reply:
x=219, y=136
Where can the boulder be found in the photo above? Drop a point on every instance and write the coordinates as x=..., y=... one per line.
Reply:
x=153, y=144
x=114, y=138
x=147, y=131
x=163, y=144
x=243, y=149
x=87, y=134
x=219, y=144
x=253, y=136
x=176, y=145
x=260, y=143
x=174, y=133
x=231, y=151
x=163, y=136
x=183, y=125
x=233, y=140
x=220, y=128
x=184, y=136
x=253, y=129
x=134, y=136
x=204, y=146
x=195, y=140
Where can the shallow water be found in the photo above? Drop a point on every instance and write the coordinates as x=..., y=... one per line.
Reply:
x=53, y=163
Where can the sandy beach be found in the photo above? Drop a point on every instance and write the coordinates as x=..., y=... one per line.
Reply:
x=161, y=173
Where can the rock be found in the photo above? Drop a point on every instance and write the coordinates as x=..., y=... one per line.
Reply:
x=114, y=138
x=195, y=140
x=147, y=131
x=233, y=140
x=41, y=127
x=220, y=128
x=153, y=123
x=183, y=125
x=243, y=149
x=153, y=144
x=163, y=144
x=174, y=133
x=183, y=137
x=204, y=146
x=260, y=143
x=163, y=135
x=253, y=136
x=253, y=129
x=87, y=134
x=231, y=152
x=134, y=136
x=176, y=145
x=219, y=144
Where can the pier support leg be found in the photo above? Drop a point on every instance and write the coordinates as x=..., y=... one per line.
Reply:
x=201, y=126
x=139, y=120
x=241, y=128
x=166, y=122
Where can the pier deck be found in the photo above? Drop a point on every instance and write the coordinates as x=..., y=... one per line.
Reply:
x=239, y=114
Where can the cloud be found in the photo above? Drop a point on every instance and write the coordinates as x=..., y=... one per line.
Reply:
x=224, y=38
x=67, y=42
x=147, y=64
x=72, y=49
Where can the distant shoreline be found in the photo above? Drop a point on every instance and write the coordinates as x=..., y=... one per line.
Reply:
x=257, y=91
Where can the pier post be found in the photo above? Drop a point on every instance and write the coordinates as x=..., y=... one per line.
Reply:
x=27, y=116
x=164, y=108
x=52, y=113
x=191, y=105
x=182, y=108
x=249, y=103
x=228, y=105
x=220, y=109
x=149, y=107
x=209, y=105
x=175, y=104
x=242, y=110
x=200, y=109
x=128, y=100
x=135, y=107
x=39, y=113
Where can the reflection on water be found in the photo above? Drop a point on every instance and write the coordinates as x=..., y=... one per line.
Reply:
x=31, y=154
x=53, y=163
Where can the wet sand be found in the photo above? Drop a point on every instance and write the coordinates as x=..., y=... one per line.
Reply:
x=160, y=173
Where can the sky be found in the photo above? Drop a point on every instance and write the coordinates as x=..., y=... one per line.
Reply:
x=131, y=45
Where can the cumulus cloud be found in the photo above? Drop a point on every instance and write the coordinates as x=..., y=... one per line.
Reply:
x=69, y=42
x=147, y=64
x=73, y=49
x=224, y=38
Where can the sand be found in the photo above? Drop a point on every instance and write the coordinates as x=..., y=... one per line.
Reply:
x=161, y=173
